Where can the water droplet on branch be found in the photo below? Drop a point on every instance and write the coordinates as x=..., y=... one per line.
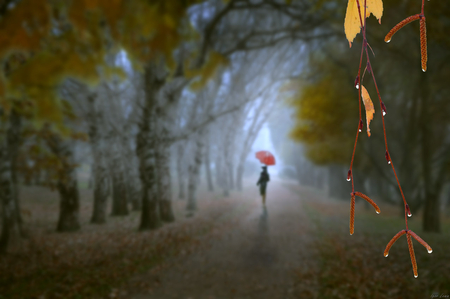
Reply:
x=415, y=276
x=386, y=255
x=430, y=250
x=349, y=175
x=357, y=82
x=408, y=211
x=383, y=107
x=388, y=41
x=361, y=124
x=388, y=158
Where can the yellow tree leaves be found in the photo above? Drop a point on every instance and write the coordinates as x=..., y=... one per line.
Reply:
x=61, y=39
x=322, y=119
x=369, y=107
x=352, y=23
x=22, y=27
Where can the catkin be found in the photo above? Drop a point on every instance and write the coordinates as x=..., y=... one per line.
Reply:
x=400, y=26
x=413, y=256
x=352, y=215
x=392, y=241
x=367, y=198
x=419, y=239
x=423, y=44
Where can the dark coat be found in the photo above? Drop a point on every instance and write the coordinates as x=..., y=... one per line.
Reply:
x=263, y=178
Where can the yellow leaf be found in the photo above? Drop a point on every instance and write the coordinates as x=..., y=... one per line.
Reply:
x=369, y=107
x=352, y=22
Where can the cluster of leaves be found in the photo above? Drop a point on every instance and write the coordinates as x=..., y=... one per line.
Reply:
x=355, y=21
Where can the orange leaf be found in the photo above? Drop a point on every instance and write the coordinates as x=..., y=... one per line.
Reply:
x=352, y=23
x=369, y=107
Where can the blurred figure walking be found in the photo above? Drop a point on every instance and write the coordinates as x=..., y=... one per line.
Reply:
x=264, y=178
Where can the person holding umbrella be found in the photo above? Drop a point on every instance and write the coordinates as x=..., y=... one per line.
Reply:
x=266, y=158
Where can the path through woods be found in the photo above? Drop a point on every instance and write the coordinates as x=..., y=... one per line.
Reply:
x=256, y=258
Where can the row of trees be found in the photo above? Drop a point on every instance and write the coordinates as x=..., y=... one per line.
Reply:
x=147, y=84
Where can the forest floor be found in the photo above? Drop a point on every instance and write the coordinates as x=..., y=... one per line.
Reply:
x=298, y=246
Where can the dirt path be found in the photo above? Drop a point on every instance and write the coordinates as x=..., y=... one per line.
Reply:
x=256, y=258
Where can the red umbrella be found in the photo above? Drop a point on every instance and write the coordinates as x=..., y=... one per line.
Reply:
x=265, y=157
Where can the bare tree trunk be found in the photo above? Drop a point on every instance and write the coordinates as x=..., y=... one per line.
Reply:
x=100, y=197
x=194, y=171
x=227, y=175
x=9, y=147
x=146, y=151
x=69, y=204
x=218, y=170
x=99, y=174
x=208, y=169
x=240, y=175
x=120, y=200
x=180, y=172
x=69, y=207
x=164, y=184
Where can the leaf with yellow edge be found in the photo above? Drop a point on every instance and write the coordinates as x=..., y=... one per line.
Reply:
x=369, y=107
x=352, y=22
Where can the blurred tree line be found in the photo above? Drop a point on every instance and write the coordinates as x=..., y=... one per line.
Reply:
x=157, y=89
x=417, y=121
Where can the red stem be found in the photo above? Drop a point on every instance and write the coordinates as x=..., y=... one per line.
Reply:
x=364, y=49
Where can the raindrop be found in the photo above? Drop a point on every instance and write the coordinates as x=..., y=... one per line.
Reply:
x=408, y=211
x=377, y=212
x=430, y=250
x=361, y=124
x=383, y=107
x=388, y=41
x=349, y=175
x=415, y=276
x=357, y=82
x=357, y=86
x=388, y=158
x=386, y=254
x=424, y=70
